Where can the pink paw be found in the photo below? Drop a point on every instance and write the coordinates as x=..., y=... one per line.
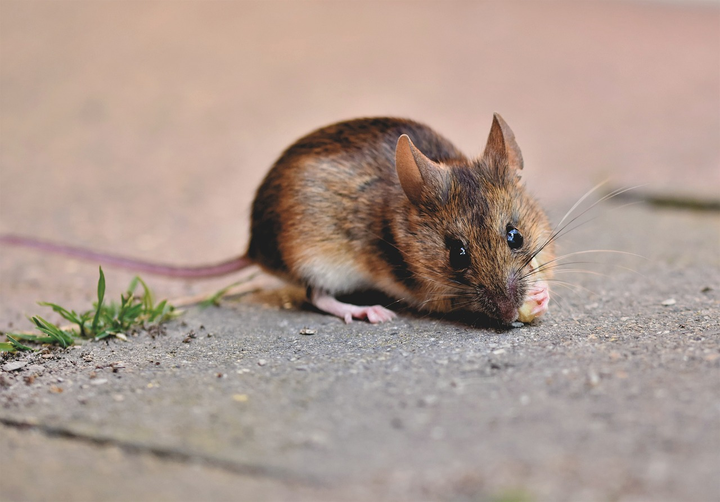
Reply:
x=540, y=295
x=374, y=314
x=346, y=311
x=536, y=302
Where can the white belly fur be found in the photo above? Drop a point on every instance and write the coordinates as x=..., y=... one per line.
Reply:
x=335, y=276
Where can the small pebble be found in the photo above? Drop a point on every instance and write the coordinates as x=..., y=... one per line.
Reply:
x=669, y=301
x=517, y=324
x=15, y=365
x=427, y=401
x=262, y=362
x=593, y=378
x=308, y=331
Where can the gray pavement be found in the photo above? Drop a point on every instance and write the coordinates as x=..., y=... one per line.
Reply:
x=613, y=396
x=144, y=128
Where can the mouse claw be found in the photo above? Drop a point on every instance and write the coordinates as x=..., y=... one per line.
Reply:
x=378, y=313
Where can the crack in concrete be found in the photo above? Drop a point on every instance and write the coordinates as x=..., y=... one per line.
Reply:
x=672, y=201
x=170, y=454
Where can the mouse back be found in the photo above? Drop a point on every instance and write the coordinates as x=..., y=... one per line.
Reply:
x=328, y=197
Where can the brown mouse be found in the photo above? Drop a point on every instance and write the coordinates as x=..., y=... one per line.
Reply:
x=388, y=204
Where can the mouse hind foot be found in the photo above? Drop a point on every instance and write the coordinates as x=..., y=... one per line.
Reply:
x=346, y=311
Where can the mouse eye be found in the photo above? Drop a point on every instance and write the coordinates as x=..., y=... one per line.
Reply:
x=459, y=256
x=514, y=237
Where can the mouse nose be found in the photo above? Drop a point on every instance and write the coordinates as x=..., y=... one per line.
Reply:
x=507, y=305
x=507, y=310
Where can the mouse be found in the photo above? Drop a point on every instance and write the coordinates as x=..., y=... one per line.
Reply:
x=389, y=205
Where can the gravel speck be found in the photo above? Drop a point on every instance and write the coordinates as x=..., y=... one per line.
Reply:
x=15, y=365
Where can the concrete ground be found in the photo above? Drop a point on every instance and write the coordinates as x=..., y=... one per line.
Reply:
x=144, y=128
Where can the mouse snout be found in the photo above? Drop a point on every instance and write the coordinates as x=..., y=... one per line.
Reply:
x=507, y=304
x=507, y=310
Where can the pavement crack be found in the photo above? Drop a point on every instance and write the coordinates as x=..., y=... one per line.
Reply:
x=671, y=201
x=169, y=454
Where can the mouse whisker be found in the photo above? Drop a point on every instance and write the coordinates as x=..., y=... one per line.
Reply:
x=437, y=296
x=560, y=267
x=573, y=287
x=446, y=282
x=610, y=195
x=580, y=271
x=581, y=199
x=561, y=229
x=433, y=297
x=588, y=251
x=555, y=262
x=462, y=305
x=553, y=266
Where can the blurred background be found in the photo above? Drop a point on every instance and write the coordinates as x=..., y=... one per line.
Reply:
x=143, y=128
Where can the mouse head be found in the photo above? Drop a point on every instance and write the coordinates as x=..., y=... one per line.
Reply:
x=472, y=229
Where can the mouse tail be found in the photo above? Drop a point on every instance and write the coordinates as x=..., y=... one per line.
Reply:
x=184, y=272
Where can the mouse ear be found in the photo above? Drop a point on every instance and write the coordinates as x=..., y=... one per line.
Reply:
x=415, y=170
x=501, y=145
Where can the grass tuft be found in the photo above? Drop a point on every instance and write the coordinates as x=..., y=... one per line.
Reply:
x=102, y=321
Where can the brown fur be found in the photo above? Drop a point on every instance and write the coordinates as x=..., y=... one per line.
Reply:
x=334, y=198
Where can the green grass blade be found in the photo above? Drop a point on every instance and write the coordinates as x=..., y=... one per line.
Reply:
x=71, y=316
x=18, y=345
x=7, y=347
x=33, y=338
x=133, y=285
x=214, y=300
x=147, y=298
x=60, y=337
x=101, y=297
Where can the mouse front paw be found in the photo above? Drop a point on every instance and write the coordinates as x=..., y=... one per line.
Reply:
x=536, y=302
